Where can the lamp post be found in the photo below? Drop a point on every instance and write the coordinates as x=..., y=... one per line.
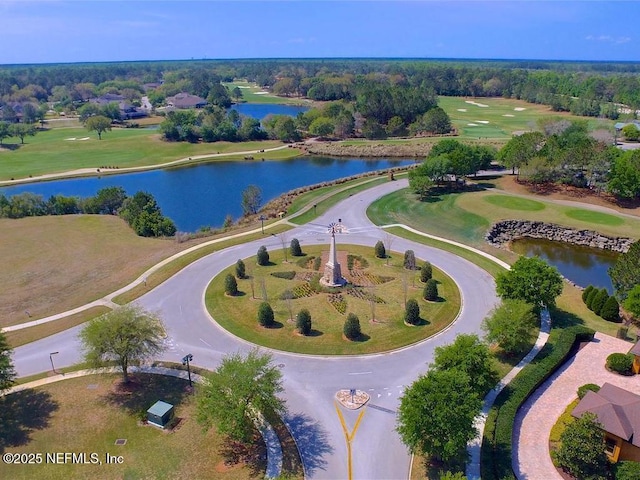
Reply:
x=262, y=218
x=51, y=359
x=185, y=361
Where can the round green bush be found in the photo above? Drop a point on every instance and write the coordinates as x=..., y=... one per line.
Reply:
x=582, y=391
x=412, y=312
x=430, y=290
x=230, y=285
x=379, y=250
x=303, y=322
x=265, y=315
x=586, y=292
x=620, y=363
x=627, y=470
x=599, y=301
x=263, y=256
x=426, y=272
x=611, y=310
x=295, y=249
x=351, y=328
x=241, y=271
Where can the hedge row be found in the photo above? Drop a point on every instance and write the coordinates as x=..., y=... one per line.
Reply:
x=496, y=443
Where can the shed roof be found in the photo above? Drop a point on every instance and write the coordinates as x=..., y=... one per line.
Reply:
x=617, y=410
x=160, y=408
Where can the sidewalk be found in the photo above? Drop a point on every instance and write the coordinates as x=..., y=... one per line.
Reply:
x=274, y=449
x=531, y=456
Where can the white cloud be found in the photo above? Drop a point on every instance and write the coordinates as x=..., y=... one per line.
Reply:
x=608, y=39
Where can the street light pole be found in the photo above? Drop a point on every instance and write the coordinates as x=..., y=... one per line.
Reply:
x=51, y=359
x=185, y=361
x=262, y=218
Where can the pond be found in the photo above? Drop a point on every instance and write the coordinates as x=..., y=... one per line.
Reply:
x=261, y=110
x=203, y=195
x=582, y=265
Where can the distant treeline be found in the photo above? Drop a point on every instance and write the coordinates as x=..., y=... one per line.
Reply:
x=140, y=211
x=584, y=88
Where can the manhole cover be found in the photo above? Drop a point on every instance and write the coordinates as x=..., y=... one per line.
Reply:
x=92, y=386
x=121, y=441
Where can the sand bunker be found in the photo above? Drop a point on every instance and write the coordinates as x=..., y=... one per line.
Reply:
x=84, y=138
x=471, y=102
x=260, y=93
x=462, y=109
x=519, y=109
x=482, y=121
x=70, y=139
x=508, y=115
x=472, y=124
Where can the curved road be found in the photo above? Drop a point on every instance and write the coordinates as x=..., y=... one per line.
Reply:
x=310, y=382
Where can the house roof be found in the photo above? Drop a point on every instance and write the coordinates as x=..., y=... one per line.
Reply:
x=185, y=100
x=617, y=410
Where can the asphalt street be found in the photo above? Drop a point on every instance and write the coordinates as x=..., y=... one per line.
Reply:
x=310, y=381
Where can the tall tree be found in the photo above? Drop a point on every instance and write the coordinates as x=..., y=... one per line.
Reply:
x=4, y=131
x=510, y=325
x=7, y=372
x=98, y=124
x=251, y=199
x=531, y=280
x=625, y=273
x=239, y=390
x=436, y=414
x=582, y=449
x=22, y=130
x=127, y=336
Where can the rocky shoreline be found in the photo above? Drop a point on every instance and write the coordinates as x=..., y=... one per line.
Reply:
x=502, y=233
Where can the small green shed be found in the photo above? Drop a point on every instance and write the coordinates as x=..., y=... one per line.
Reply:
x=160, y=414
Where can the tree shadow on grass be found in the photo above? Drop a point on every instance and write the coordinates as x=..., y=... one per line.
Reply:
x=363, y=337
x=312, y=441
x=562, y=319
x=276, y=325
x=22, y=413
x=252, y=454
x=143, y=390
x=314, y=333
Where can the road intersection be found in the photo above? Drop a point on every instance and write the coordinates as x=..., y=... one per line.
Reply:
x=310, y=381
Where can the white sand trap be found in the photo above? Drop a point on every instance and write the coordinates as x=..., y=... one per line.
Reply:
x=508, y=115
x=70, y=139
x=462, y=109
x=84, y=138
x=519, y=109
x=482, y=121
x=242, y=86
x=260, y=93
x=472, y=124
x=471, y=102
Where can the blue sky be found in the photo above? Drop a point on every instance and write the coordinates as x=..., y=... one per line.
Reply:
x=112, y=30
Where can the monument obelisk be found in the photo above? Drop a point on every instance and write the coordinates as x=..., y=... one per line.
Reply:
x=332, y=272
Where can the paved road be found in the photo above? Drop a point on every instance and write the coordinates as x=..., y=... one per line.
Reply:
x=310, y=381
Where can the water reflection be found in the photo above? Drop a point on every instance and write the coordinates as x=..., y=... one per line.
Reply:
x=581, y=265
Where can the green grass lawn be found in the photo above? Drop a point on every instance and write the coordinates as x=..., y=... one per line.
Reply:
x=251, y=94
x=239, y=314
x=511, y=202
x=53, y=151
x=88, y=414
x=590, y=216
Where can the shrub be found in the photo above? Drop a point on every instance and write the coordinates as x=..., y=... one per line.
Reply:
x=627, y=470
x=240, y=269
x=289, y=275
x=599, y=300
x=295, y=249
x=351, y=328
x=430, y=290
x=620, y=363
x=263, y=256
x=379, y=249
x=230, y=285
x=426, y=272
x=410, y=260
x=303, y=322
x=586, y=292
x=582, y=391
x=622, y=332
x=611, y=310
x=265, y=315
x=590, y=296
x=412, y=312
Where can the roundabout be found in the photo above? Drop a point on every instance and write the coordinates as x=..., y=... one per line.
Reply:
x=374, y=451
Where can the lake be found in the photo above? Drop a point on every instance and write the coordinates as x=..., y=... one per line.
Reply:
x=202, y=195
x=582, y=265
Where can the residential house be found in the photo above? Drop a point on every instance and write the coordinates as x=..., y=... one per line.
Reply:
x=185, y=100
x=618, y=411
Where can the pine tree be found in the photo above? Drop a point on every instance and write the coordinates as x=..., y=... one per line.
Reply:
x=265, y=315
x=380, y=251
x=412, y=312
x=303, y=322
x=426, y=272
x=241, y=271
x=351, y=328
x=263, y=256
x=431, y=290
x=230, y=285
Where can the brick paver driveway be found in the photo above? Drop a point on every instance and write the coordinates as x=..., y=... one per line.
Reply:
x=535, y=418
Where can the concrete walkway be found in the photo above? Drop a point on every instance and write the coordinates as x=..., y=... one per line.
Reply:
x=531, y=457
x=274, y=448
